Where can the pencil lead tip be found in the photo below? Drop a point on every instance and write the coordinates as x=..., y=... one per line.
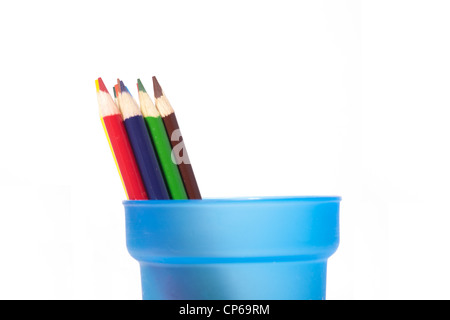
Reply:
x=122, y=86
x=101, y=85
x=117, y=86
x=156, y=88
x=140, y=86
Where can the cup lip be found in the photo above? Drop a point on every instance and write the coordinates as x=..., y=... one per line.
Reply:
x=234, y=200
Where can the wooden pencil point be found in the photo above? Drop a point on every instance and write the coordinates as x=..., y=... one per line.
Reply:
x=101, y=85
x=124, y=88
x=147, y=106
x=140, y=86
x=117, y=86
x=157, y=91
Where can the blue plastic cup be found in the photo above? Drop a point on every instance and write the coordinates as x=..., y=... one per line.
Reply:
x=233, y=249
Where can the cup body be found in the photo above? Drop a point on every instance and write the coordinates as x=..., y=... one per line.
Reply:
x=272, y=248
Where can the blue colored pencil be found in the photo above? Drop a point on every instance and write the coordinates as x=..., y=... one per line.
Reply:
x=142, y=146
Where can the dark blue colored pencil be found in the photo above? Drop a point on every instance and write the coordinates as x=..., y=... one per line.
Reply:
x=142, y=146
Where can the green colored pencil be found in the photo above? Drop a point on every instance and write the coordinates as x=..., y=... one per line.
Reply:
x=157, y=131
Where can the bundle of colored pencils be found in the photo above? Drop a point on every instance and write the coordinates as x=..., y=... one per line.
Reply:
x=146, y=143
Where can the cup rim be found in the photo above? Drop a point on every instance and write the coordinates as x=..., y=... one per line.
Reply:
x=235, y=200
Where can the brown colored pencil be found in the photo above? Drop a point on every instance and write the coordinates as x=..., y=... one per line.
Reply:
x=179, y=152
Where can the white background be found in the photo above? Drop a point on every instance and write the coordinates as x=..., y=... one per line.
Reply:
x=346, y=98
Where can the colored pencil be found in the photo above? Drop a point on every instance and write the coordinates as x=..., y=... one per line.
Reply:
x=161, y=143
x=142, y=146
x=176, y=139
x=116, y=134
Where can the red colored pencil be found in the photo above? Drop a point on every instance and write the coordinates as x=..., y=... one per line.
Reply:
x=120, y=146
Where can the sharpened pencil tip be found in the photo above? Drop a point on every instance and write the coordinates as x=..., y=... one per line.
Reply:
x=101, y=85
x=117, y=86
x=140, y=86
x=122, y=87
x=156, y=88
